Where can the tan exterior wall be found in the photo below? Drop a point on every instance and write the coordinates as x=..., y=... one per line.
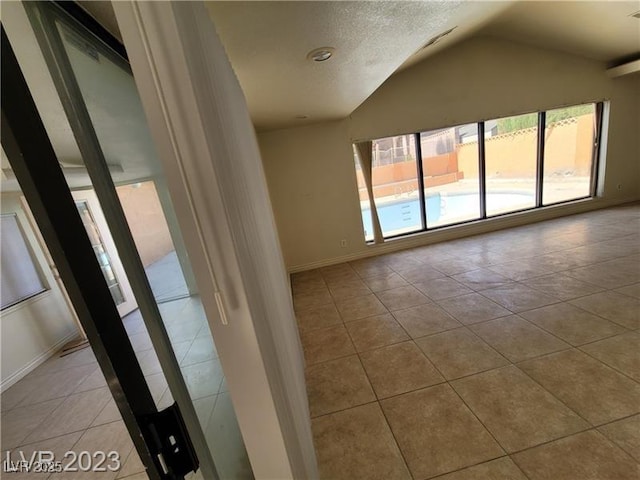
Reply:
x=146, y=221
x=568, y=150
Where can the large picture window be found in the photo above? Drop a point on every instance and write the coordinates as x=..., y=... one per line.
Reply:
x=448, y=176
x=20, y=277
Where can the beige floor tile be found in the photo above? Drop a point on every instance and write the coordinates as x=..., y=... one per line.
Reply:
x=309, y=278
x=473, y=308
x=458, y=353
x=57, y=363
x=516, y=410
x=360, y=307
x=437, y=433
x=425, y=320
x=149, y=362
x=398, y=369
x=18, y=423
x=518, y=298
x=572, y=324
x=93, y=381
x=201, y=350
x=75, y=413
x=630, y=290
x=108, y=414
x=520, y=269
x=453, y=266
x=618, y=308
x=326, y=344
x=318, y=317
x=308, y=287
x=140, y=341
x=621, y=352
x=55, y=384
x=357, y=443
x=610, y=274
x=225, y=441
x=385, y=282
x=499, y=469
x=401, y=298
x=441, y=288
x=337, y=385
x=348, y=289
x=625, y=433
x=111, y=437
x=587, y=386
x=421, y=273
x=482, y=279
x=16, y=394
x=399, y=261
x=516, y=338
x=371, y=267
x=59, y=446
x=584, y=456
x=132, y=465
x=562, y=286
x=374, y=332
x=315, y=299
x=203, y=379
x=338, y=273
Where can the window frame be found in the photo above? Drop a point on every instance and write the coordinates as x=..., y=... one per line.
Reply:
x=539, y=186
x=34, y=262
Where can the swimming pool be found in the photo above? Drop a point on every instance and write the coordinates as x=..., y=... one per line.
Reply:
x=403, y=215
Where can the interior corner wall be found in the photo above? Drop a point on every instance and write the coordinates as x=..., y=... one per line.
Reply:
x=310, y=170
x=37, y=328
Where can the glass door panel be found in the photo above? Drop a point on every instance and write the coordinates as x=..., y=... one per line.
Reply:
x=102, y=88
x=105, y=251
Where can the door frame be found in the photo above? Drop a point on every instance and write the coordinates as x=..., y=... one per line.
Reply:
x=207, y=144
x=40, y=17
x=42, y=182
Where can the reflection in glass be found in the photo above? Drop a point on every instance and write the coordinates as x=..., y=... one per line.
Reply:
x=450, y=169
x=395, y=185
x=111, y=98
x=511, y=161
x=568, y=153
x=99, y=249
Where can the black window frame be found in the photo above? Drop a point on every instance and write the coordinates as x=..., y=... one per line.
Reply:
x=539, y=187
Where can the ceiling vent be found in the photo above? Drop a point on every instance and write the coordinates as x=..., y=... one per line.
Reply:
x=439, y=37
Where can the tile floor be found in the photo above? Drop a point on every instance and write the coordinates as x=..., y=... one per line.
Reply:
x=65, y=403
x=509, y=355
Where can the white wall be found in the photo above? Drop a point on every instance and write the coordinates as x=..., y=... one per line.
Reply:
x=35, y=329
x=310, y=169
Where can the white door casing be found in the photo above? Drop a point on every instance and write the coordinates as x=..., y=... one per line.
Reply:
x=207, y=146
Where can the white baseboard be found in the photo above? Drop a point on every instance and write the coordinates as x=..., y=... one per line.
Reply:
x=466, y=230
x=36, y=362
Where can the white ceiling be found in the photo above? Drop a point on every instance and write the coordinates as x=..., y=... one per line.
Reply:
x=601, y=30
x=268, y=43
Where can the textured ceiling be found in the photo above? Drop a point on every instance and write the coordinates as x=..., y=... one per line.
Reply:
x=268, y=43
x=601, y=30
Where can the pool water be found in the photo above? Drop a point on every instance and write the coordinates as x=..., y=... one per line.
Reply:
x=403, y=215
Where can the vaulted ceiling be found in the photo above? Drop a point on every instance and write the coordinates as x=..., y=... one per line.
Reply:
x=268, y=42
